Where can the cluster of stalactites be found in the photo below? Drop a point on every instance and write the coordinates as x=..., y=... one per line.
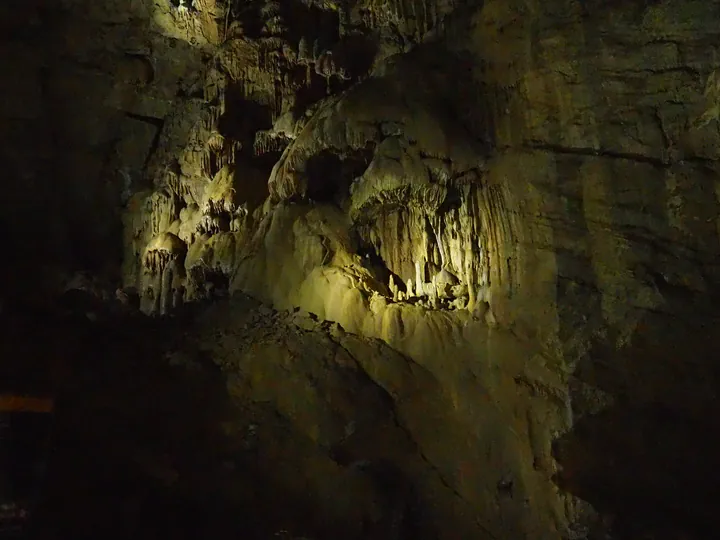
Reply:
x=218, y=218
x=213, y=207
x=215, y=159
x=194, y=19
x=214, y=92
x=217, y=151
x=163, y=287
x=211, y=224
x=442, y=289
x=274, y=56
x=163, y=273
x=187, y=7
x=446, y=258
x=267, y=141
x=322, y=61
x=163, y=208
x=157, y=260
x=211, y=116
x=233, y=59
x=424, y=197
x=205, y=152
x=261, y=86
x=416, y=17
x=274, y=24
x=161, y=251
x=173, y=183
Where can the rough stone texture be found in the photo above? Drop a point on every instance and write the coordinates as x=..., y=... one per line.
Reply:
x=520, y=198
x=86, y=90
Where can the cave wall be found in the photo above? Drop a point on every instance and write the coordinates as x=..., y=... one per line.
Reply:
x=85, y=92
x=561, y=114
x=493, y=188
x=614, y=107
x=27, y=144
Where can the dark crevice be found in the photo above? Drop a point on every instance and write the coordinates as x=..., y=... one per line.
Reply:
x=453, y=200
x=158, y=123
x=373, y=262
x=311, y=23
x=152, y=120
x=596, y=152
x=329, y=174
x=243, y=117
x=356, y=53
x=613, y=154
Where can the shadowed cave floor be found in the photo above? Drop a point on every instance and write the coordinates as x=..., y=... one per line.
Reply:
x=143, y=446
x=121, y=412
x=146, y=447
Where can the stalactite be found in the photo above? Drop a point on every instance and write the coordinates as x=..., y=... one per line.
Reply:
x=416, y=29
x=343, y=20
x=178, y=297
x=432, y=15
x=213, y=222
x=447, y=256
x=426, y=19
x=398, y=9
x=156, y=261
x=163, y=211
x=278, y=99
x=316, y=51
x=239, y=219
x=161, y=251
x=216, y=142
x=166, y=282
x=303, y=50
x=206, y=166
x=175, y=184
x=267, y=141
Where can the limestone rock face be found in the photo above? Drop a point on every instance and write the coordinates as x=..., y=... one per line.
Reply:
x=511, y=195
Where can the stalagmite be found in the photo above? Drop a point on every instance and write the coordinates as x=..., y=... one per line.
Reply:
x=178, y=297
x=237, y=223
x=169, y=281
x=316, y=51
x=398, y=9
x=444, y=283
x=393, y=288
x=419, y=277
x=343, y=20
x=164, y=252
x=303, y=51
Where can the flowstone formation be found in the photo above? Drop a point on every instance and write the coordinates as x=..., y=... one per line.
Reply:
x=519, y=198
x=393, y=189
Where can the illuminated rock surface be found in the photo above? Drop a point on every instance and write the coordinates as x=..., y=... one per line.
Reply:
x=489, y=229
